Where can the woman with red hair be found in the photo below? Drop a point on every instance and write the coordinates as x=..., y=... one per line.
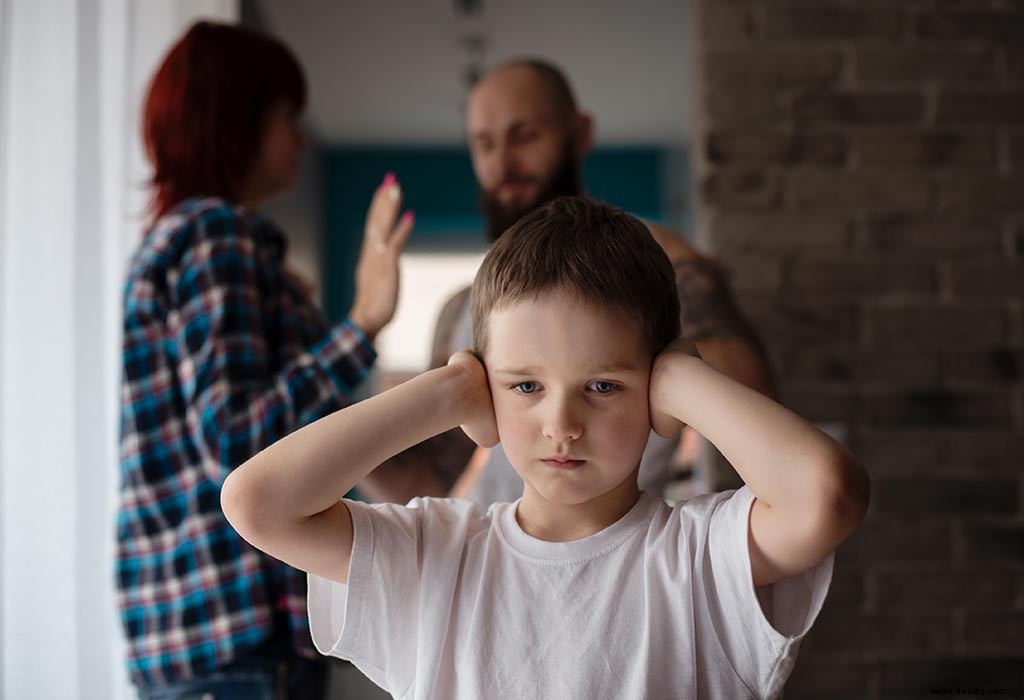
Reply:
x=224, y=353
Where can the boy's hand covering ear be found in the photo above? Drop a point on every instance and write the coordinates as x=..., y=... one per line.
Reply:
x=476, y=416
x=662, y=385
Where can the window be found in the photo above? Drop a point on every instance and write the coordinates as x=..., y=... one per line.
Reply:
x=429, y=279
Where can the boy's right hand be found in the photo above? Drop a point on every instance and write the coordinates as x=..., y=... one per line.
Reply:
x=476, y=410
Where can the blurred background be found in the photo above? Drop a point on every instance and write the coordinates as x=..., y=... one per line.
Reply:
x=388, y=83
x=856, y=166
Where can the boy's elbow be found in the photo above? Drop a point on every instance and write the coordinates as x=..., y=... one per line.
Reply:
x=235, y=502
x=844, y=495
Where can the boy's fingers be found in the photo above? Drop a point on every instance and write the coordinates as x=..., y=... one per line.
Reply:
x=482, y=427
x=463, y=357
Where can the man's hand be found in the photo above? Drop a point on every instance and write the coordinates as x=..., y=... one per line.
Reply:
x=476, y=412
x=662, y=385
x=377, y=270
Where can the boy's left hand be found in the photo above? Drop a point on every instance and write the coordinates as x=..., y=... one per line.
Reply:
x=663, y=422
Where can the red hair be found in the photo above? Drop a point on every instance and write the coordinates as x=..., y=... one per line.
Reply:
x=207, y=107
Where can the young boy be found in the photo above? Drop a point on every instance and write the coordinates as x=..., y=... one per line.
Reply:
x=585, y=587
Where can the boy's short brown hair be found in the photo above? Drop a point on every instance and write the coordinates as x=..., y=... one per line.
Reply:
x=604, y=257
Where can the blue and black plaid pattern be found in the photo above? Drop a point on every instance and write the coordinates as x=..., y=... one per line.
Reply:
x=223, y=355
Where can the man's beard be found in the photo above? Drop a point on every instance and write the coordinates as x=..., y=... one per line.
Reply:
x=565, y=180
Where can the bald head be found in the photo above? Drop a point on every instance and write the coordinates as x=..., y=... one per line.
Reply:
x=526, y=137
x=547, y=81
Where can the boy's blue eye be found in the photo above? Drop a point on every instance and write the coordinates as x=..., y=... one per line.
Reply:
x=603, y=387
x=525, y=387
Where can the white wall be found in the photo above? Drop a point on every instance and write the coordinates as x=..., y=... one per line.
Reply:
x=392, y=71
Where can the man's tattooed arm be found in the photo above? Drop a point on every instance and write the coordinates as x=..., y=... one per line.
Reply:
x=711, y=319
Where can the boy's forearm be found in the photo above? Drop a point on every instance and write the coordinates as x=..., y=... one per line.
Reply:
x=308, y=471
x=785, y=461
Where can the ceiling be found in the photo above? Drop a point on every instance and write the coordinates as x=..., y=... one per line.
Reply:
x=391, y=71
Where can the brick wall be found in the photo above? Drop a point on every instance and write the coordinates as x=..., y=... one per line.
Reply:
x=862, y=177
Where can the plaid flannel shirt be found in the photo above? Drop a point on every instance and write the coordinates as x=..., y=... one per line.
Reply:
x=223, y=355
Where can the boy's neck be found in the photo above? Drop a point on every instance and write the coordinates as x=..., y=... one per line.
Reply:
x=556, y=522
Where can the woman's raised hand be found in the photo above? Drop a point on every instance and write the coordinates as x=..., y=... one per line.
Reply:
x=377, y=278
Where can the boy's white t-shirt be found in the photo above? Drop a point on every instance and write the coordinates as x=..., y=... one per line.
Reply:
x=444, y=601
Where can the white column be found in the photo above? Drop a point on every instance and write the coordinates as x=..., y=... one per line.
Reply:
x=72, y=76
x=40, y=469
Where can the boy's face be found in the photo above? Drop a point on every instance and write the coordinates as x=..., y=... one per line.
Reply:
x=569, y=385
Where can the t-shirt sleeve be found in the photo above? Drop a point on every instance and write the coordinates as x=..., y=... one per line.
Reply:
x=760, y=629
x=402, y=562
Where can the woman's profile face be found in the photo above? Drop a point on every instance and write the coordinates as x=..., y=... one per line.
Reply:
x=277, y=164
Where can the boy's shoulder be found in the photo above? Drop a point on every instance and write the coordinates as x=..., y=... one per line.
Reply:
x=716, y=520
x=706, y=504
x=435, y=504
x=431, y=512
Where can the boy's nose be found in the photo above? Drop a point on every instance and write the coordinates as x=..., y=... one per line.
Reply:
x=563, y=423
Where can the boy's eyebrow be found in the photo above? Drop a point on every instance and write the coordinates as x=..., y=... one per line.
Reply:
x=531, y=370
x=516, y=371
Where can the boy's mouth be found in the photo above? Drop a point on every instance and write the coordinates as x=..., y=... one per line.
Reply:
x=563, y=463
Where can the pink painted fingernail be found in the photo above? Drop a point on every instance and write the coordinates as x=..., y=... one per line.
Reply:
x=389, y=180
x=409, y=215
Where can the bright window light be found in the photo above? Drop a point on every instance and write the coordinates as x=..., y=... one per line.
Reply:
x=428, y=281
